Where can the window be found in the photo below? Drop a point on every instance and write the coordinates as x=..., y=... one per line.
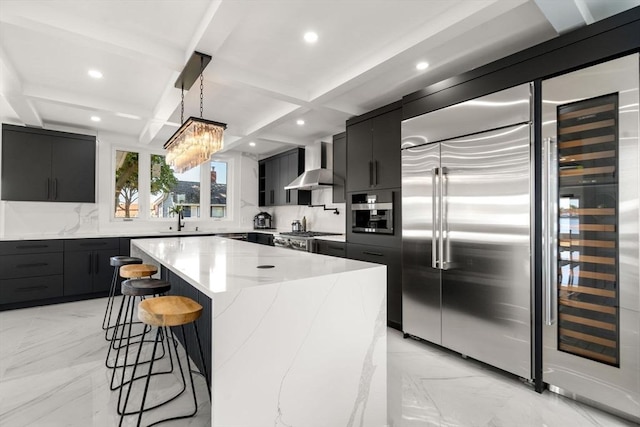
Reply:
x=218, y=208
x=162, y=183
x=186, y=192
x=126, y=188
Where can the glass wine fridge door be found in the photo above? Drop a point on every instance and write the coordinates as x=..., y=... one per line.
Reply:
x=590, y=173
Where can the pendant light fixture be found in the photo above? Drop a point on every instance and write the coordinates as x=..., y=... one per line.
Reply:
x=197, y=139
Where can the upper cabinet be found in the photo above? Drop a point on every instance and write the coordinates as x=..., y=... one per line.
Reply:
x=275, y=172
x=373, y=152
x=41, y=165
x=339, y=167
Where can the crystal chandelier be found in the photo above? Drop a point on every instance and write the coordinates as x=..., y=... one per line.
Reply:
x=197, y=139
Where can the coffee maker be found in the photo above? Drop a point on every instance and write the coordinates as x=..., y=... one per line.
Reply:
x=262, y=221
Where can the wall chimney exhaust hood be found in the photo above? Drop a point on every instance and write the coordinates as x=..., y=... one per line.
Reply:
x=312, y=179
x=315, y=177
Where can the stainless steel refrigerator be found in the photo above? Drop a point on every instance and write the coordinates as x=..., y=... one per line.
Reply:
x=591, y=336
x=466, y=228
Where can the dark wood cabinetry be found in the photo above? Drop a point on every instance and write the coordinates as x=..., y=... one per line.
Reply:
x=274, y=173
x=373, y=152
x=327, y=247
x=87, y=268
x=180, y=287
x=391, y=257
x=43, y=165
x=339, y=167
x=30, y=271
x=261, y=238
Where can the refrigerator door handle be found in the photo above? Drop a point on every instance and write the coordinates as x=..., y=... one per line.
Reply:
x=550, y=213
x=434, y=216
x=445, y=249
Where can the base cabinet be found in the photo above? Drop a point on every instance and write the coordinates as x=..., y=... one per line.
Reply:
x=30, y=271
x=186, y=335
x=391, y=257
x=327, y=247
x=87, y=267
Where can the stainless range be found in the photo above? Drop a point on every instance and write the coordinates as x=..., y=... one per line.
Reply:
x=299, y=240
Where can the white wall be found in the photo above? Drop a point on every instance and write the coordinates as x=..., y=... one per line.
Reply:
x=47, y=219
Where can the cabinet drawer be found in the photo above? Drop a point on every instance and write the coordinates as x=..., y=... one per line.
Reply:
x=326, y=247
x=90, y=244
x=30, y=247
x=30, y=289
x=31, y=265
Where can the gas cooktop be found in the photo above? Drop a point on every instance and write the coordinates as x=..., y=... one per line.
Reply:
x=307, y=233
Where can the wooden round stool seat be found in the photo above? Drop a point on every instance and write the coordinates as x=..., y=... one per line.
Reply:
x=169, y=310
x=133, y=271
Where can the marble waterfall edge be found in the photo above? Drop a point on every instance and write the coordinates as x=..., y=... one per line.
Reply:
x=310, y=352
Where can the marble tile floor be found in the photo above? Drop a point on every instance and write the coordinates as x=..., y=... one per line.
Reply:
x=52, y=374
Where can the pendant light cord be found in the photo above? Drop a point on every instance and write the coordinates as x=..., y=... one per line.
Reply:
x=201, y=84
x=182, y=105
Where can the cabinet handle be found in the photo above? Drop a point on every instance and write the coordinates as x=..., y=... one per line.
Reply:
x=375, y=173
x=34, y=264
x=89, y=270
x=338, y=248
x=370, y=173
x=97, y=263
x=31, y=246
x=93, y=244
x=372, y=253
x=31, y=288
x=55, y=188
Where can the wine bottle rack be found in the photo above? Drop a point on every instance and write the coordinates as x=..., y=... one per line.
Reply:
x=588, y=299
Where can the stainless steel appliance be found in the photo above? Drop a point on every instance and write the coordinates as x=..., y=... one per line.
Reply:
x=263, y=221
x=299, y=240
x=466, y=228
x=591, y=336
x=372, y=212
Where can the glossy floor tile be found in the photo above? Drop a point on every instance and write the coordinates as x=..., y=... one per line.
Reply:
x=52, y=373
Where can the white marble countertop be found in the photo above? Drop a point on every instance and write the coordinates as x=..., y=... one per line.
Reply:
x=215, y=264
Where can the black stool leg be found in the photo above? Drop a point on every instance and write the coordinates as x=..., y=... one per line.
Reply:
x=107, y=311
x=204, y=363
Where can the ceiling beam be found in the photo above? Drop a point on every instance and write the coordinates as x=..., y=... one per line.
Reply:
x=11, y=88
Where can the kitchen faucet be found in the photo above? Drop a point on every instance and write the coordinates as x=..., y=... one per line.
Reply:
x=180, y=220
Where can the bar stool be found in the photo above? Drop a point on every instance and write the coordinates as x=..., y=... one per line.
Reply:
x=116, y=262
x=129, y=271
x=131, y=289
x=163, y=312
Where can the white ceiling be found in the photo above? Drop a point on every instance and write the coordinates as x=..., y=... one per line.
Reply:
x=263, y=76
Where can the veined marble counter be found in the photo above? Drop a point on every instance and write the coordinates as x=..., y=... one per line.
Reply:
x=299, y=344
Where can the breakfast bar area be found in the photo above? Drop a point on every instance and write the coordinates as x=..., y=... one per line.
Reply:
x=299, y=338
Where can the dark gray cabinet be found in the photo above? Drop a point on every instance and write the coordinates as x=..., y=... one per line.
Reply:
x=275, y=173
x=30, y=271
x=180, y=287
x=261, y=238
x=391, y=257
x=373, y=152
x=87, y=268
x=327, y=247
x=43, y=165
x=339, y=167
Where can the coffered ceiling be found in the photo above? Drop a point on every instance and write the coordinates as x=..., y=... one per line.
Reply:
x=263, y=77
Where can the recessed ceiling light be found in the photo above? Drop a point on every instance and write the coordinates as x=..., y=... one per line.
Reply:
x=95, y=74
x=95, y=118
x=310, y=37
x=252, y=144
x=422, y=65
x=299, y=122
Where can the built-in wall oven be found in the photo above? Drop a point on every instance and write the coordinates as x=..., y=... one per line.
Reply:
x=372, y=212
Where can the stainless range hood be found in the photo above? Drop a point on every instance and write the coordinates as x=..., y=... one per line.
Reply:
x=312, y=179
x=315, y=177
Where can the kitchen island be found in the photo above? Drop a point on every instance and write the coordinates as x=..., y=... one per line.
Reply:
x=298, y=339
